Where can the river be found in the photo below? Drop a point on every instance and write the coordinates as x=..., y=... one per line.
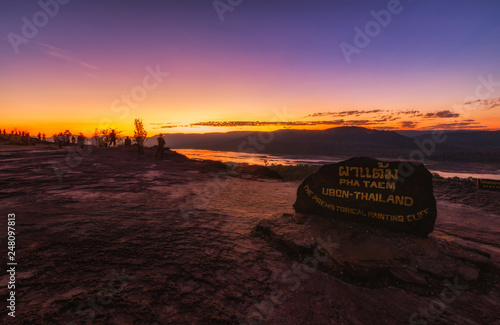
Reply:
x=462, y=170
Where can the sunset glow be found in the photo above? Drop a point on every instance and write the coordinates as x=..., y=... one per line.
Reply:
x=181, y=69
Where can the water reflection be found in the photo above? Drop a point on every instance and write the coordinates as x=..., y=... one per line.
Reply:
x=287, y=160
x=256, y=158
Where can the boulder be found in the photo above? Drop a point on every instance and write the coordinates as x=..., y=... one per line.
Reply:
x=394, y=195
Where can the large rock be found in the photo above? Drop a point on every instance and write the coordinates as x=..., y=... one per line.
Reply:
x=374, y=257
x=392, y=195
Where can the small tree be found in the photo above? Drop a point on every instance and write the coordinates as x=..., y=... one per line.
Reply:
x=104, y=137
x=139, y=129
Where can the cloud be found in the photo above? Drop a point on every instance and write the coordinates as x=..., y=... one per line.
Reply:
x=375, y=123
x=389, y=118
x=380, y=119
x=484, y=104
x=383, y=115
x=413, y=113
x=249, y=123
x=65, y=56
x=169, y=126
x=361, y=122
x=465, y=124
x=408, y=124
x=288, y=124
x=389, y=115
x=442, y=114
x=345, y=113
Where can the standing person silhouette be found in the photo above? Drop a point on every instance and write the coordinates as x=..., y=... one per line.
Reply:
x=112, y=138
x=61, y=140
x=128, y=143
x=140, y=145
x=81, y=140
x=161, y=146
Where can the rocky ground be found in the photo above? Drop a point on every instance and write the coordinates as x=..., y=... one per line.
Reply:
x=123, y=239
x=466, y=192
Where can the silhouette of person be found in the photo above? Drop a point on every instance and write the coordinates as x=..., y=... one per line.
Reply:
x=112, y=138
x=43, y=137
x=73, y=140
x=128, y=143
x=39, y=136
x=161, y=147
x=81, y=140
x=61, y=140
x=140, y=145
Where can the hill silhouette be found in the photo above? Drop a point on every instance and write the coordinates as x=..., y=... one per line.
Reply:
x=345, y=141
x=472, y=139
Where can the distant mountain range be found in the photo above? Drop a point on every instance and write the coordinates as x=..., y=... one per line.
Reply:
x=346, y=141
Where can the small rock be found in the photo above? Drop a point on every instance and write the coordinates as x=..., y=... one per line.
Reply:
x=468, y=273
